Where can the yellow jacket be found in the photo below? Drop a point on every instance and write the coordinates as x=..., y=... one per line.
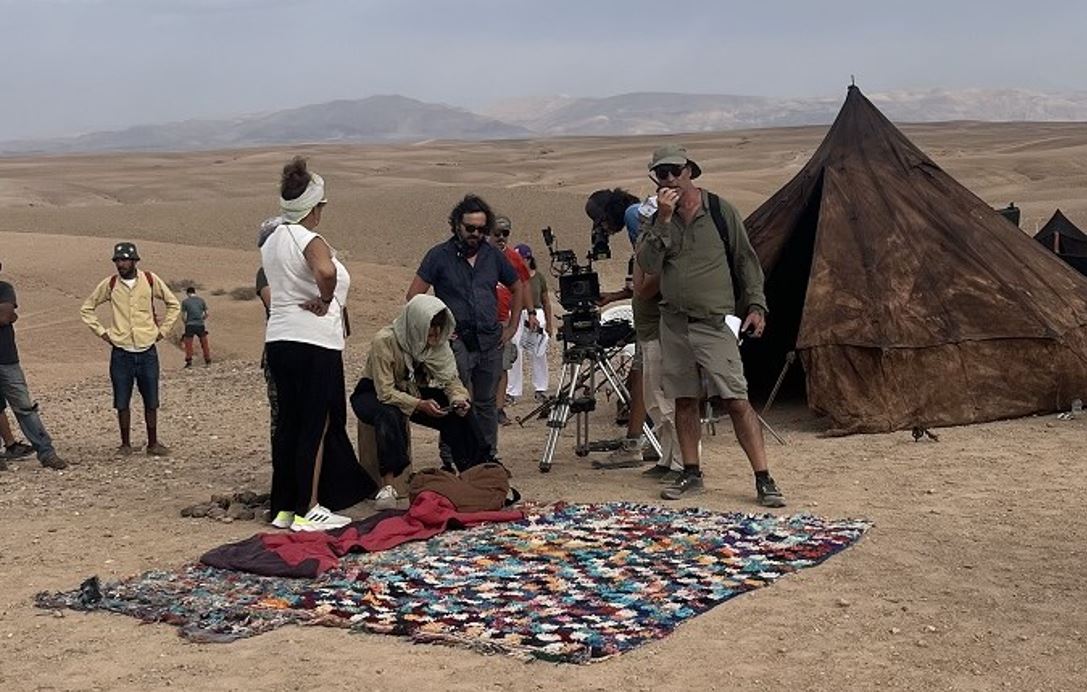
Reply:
x=133, y=325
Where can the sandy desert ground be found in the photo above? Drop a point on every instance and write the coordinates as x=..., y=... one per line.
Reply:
x=974, y=576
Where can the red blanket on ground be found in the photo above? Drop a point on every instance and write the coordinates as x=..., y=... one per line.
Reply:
x=310, y=554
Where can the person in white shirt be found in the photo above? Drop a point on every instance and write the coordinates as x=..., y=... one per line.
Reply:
x=314, y=468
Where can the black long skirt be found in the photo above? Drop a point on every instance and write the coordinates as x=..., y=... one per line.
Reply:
x=309, y=384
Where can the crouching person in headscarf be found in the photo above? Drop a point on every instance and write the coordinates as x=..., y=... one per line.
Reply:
x=411, y=374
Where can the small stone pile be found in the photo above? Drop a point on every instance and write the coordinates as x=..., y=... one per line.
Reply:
x=243, y=506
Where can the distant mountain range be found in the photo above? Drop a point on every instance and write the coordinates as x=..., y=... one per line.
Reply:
x=402, y=119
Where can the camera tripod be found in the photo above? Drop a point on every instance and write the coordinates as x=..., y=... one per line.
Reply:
x=580, y=364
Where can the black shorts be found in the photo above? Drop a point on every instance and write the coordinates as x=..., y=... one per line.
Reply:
x=195, y=330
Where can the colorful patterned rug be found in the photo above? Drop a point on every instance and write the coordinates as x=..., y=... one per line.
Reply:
x=571, y=583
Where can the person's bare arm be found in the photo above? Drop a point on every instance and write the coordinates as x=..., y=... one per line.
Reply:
x=319, y=258
x=518, y=291
x=549, y=317
x=7, y=314
x=417, y=287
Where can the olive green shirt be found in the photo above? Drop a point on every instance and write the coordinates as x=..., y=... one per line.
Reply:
x=696, y=280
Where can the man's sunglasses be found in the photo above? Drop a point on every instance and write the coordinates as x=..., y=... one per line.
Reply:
x=469, y=228
x=669, y=169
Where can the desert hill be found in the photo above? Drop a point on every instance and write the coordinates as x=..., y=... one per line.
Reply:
x=393, y=118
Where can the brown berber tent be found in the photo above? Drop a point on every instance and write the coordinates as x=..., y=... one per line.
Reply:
x=909, y=300
x=1066, y=240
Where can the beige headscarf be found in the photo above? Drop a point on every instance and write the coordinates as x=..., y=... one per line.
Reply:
x=294, y=210
x=410, y=329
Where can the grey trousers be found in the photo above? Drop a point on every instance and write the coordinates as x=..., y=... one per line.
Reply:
x=480, y=372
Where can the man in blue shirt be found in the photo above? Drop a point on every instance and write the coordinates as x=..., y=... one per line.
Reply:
x=464, y=272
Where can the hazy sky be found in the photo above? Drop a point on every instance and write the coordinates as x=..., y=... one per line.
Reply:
x=71, y=66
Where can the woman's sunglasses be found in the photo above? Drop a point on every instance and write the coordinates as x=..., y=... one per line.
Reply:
x=504, y=232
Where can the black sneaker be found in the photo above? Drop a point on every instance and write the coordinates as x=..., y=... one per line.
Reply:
x=54, y=462
x=18, y=450
x=689, y=483
x=768, y=493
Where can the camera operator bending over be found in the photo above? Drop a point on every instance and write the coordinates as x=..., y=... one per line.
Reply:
x=611, y=211
x=411, y=374
x=698, y=271
x=464, y=271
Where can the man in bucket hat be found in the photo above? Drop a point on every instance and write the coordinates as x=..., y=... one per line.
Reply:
x=695, y=241
x=132, y=335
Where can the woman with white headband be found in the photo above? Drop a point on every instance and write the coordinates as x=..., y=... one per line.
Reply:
x=314, y=468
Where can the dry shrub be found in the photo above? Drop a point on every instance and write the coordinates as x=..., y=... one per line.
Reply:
x=243, y=293
x=179, y=285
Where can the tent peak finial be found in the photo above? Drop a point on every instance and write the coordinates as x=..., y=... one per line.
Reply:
x=852, y=82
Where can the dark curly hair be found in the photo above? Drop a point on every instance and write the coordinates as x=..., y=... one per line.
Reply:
x=609, y=206
x=471, y=204
x=295, y=179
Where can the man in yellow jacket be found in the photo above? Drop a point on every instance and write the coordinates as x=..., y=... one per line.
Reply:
x=132, y=334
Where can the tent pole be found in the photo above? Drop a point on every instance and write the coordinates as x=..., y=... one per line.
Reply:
x=779, y=438
x=789, y=358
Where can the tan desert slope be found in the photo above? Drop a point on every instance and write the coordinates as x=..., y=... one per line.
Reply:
x=971, y=579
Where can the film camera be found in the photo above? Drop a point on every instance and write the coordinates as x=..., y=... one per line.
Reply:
x=579, y=292
x=579, y=295
x=587, y=347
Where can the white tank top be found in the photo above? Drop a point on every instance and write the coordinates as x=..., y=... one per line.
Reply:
x=292, y=283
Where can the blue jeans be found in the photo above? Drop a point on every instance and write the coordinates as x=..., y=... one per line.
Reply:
x=142, y=369
x=14, y=391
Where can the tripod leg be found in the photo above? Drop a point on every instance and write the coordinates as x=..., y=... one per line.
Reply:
x=560, y=412
x=624, y=396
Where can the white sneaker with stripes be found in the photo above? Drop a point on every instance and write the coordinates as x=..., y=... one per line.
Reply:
x=319, y=519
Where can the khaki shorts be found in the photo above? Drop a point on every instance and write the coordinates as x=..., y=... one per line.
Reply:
x=691, y=350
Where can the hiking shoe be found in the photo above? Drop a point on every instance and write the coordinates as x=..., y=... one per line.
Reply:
x=126, y=450
x=53, y=461
x=18, y=450
x=540, y=397
x=656, y=471
x=188, y=364
x=386, y=498
x=319, y=519
x=3, y=464
x=768, y=493
x=688, y=483
x=629, y=454
x=283, y=520
x=158, y=450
